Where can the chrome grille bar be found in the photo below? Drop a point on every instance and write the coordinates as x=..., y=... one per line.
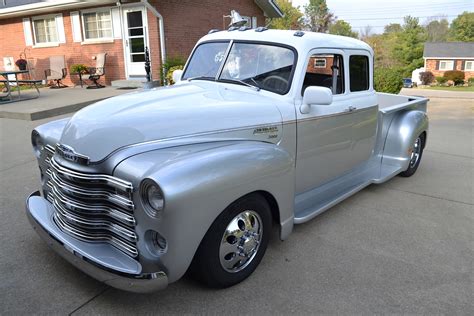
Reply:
x=92, y=207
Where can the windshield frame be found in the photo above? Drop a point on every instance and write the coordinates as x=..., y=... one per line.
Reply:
x=231, y=42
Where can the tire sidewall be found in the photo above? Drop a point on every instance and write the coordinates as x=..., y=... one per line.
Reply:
x=210, y=246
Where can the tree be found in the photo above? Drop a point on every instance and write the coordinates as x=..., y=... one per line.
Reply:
x=343, y=28
x=408, y=49
x=462, y=28
x=317, y=15
x=392, y=28
x=365, y=32
x=437, y=30
x=292, y=17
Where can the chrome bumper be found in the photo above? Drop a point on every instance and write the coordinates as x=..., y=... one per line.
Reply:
x=101, y=261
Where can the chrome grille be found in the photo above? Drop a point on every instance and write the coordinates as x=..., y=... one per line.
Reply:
x=92, y=207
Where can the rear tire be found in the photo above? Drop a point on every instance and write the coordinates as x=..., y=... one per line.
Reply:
x=415, y=159
x=235, y=243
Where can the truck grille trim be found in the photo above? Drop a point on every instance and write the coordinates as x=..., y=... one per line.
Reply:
x=92, y=207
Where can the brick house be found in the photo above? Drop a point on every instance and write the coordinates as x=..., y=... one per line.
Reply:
x=80, y=29
x=441, y=57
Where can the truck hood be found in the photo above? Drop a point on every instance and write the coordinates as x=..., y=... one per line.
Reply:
x=197, y=108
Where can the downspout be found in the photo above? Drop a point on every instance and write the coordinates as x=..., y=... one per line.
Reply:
x=162, y=29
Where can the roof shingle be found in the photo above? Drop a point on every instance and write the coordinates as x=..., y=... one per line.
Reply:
x=449, y=49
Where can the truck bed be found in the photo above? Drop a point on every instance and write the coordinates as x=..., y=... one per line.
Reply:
x=389, y=103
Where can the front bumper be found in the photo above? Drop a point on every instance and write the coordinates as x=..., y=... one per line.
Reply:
x=100, y=261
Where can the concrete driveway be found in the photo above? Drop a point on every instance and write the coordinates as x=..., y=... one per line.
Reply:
x=406, y=246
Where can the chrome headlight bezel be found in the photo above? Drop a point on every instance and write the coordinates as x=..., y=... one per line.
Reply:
x=37, y=143
x=152, y=198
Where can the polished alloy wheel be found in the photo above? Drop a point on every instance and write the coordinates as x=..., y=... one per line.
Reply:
x=416, y=152
x=241, y=241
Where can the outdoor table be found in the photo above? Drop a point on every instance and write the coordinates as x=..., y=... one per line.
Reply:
x=5, y=74
x=9, y=97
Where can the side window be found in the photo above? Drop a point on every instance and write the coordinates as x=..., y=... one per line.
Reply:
x=359, y=73
x=325, y=70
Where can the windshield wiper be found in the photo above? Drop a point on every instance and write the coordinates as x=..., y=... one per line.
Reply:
x=201, y=78
x=256, y=88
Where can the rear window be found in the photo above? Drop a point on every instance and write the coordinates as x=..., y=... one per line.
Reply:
x=359, y=73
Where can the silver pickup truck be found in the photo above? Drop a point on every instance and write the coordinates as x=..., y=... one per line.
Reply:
x=262, y=128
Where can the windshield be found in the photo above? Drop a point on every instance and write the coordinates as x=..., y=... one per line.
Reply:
x=264, y=66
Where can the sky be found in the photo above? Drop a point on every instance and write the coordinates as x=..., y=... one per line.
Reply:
x=377, y=14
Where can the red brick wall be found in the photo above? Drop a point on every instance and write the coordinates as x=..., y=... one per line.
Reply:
x=431, y=66
x=326, y=71
x=185, y=22
x=12, y=41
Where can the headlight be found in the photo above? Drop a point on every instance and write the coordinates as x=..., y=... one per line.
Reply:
x=152, y=198
x=37, y=143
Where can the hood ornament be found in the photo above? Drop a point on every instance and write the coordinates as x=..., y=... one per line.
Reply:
x=68, y=153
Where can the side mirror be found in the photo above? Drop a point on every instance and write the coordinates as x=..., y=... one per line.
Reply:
x=315, y=95
x=177, y=75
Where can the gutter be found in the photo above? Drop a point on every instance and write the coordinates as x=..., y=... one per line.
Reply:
x=162, y=29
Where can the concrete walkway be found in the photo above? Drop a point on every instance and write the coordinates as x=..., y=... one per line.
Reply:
x=438, y=93
x=54, y=102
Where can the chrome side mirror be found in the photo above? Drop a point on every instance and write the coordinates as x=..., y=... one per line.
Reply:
x=315, y=95
x=177, y=75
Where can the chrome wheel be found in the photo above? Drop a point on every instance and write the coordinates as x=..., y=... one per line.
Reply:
x=241, y=241
x=416, y=152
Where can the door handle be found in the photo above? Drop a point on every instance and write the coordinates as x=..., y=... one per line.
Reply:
x=351, y=108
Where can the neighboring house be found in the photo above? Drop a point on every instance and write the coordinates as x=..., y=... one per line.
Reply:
x=441, y=57
x=80, y=29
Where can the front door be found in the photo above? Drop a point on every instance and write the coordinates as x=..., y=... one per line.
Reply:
x=325, y=133
x=136, y=38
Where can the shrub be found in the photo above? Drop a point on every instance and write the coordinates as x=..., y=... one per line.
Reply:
x=457, y=76
x=441, y=80
x=169, y=74
x=426, y=77
x=388, y=80
x=470, y=81
x=171, y=62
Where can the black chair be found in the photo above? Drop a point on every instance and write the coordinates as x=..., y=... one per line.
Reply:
x=96, y=72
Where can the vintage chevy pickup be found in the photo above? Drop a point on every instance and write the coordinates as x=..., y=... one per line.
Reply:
x=262, y=128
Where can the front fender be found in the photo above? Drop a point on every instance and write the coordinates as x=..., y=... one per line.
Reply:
x=403, y=131
x=198, y=183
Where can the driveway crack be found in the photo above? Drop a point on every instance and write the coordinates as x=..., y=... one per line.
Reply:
x=89, y=300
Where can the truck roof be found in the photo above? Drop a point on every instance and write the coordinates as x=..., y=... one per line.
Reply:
x=306, y=42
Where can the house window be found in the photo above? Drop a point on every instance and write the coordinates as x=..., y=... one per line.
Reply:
x=319, y=63
x=97, y=25
x=45, y=30
x=469, y=65
x=446, y=65
x=359, y=73
x=251, y=21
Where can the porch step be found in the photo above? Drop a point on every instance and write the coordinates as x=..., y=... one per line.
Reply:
x=130, y=84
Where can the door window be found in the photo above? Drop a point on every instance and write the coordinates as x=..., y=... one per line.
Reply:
x=136, y=37
x=359, y=73
x=325, y=70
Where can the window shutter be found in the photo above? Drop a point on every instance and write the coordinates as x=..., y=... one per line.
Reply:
x=27, y=32
x=454, y=64
x=76, y=26
x=116, y=25
x=463, y=64
x=60, y=28
x=437, y=65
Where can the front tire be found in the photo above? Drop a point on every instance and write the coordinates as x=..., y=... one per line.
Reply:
x=234, y=244
x=415, y=158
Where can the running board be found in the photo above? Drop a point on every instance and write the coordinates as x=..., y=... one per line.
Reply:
x=310, y=213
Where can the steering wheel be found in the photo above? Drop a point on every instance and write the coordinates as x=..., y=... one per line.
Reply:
x=276, y=82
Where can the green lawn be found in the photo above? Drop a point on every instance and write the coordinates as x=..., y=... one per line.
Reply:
x=468, y=89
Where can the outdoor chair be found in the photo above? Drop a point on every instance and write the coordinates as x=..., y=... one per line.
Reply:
x=57, y=71
x=96, y=72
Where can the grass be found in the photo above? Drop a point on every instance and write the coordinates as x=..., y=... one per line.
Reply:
x=22, y=87
x=457, y=88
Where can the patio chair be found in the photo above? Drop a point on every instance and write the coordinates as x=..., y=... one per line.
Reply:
x=57, y=71
x=96, y=72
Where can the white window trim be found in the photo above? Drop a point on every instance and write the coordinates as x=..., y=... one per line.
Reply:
x=449, y=65
x=47, y=44
x=471, y=62
x=98, y=40
x=320, y=59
